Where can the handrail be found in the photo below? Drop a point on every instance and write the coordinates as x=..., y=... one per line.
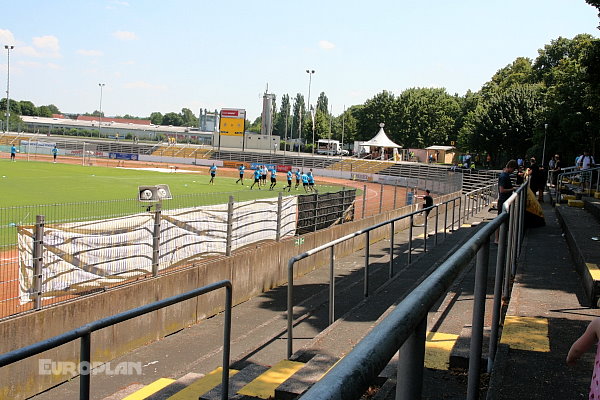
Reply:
x=577, y=171
x=331, y=245
x=84, y=333
x=405, y=327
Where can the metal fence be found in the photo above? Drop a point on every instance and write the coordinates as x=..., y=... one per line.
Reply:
x=84, y=333
x=58, y=252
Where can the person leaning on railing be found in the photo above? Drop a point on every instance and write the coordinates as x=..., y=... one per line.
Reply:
x=505, y=187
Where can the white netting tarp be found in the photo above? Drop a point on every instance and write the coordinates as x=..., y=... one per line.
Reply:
x=89, y=255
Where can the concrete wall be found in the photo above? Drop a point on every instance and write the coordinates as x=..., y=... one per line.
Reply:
x=252, y=270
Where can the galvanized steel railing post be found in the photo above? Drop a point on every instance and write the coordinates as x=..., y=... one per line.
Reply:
x=156, y=240
x=367, y=254
x=381, y=198
x=391, y=267
x=446, y=221
x=411, y=358
x=364, y=202
x=226, y=342
x=229, y=238
x=38, y=260
x=437, y=214
x=453, y=212
x=290, y=307
x=481, y=272
x=410, y=236
x=279, y=209
x=332, y=285
x=496, y=308
x=425, y=232
x=85, y=365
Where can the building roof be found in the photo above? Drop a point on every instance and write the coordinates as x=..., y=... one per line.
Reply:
x=444, y=148
x=380, y=140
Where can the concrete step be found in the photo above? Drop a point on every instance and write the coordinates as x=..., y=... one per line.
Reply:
x=582, y=232
x=303, y=379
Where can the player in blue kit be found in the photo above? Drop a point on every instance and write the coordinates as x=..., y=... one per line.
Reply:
x=305, y=181
x=213, y=173
x=289, y=181
x=311, y=181
x=298, y=178
x=257, y=175
x=241, y=168
x=273, y=178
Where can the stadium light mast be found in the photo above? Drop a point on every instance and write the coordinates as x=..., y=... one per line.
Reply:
x=310, y=73
x=8, y=49
x=100, y=115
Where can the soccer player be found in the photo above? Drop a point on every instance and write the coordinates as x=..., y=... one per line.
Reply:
x=273, y=178
x=289, y=181
x=298, y=178
x=304, y=181
x=213, y=173
x=311, y=181
x=241, y=168
x=54, y=153
x=257, y=175
x=13, y=152
x=263, y=175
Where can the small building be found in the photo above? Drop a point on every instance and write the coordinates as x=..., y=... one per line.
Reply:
x=441, y=154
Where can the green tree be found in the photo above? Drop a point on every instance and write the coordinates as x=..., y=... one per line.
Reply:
x=188, y=118
x=381, y=108
x=426, y=116
x=173, y=119
x=44, y=111
x=156, y=118
x=28, y=108
x=323, y=103
x=281, y=123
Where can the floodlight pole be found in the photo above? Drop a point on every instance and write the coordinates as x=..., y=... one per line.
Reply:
x=100, y=115
x=310, y=73
x=8, y=49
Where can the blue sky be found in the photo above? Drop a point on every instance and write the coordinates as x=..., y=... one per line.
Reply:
x=167, y=55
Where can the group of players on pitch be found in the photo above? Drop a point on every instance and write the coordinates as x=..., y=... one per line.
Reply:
x=260, y=178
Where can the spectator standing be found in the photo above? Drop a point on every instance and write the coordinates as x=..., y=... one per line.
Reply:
x=555, y=169
x=584, y=163
x=536, y=180
x=505, y=187
x=589, y=338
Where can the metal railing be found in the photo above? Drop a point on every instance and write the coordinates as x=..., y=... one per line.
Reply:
x=570, y=172
x=463, y=212
x=84, y=333
x=404, y=329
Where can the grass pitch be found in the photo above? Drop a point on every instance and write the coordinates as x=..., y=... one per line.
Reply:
x=31, y=188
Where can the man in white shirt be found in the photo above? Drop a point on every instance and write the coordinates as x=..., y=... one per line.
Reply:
x=585, y=162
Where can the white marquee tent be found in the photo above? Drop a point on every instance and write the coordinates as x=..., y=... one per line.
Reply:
x=382, y=141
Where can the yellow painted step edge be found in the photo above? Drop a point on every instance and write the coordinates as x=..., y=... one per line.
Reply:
x=526, y=333
x=202, y=385
x=265, y=384
x=150, y=389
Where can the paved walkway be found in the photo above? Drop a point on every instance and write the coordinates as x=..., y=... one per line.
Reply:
x=547, y=300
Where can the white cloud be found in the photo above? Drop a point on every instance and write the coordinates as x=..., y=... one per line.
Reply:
x=53, y=66
x=124, y=35
x=6, y=37
x=29, y=51
x=30, y=64
x=326, y=45
x=90, y=53
x=47, y=42
x=116, y=3
x=144, y=85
